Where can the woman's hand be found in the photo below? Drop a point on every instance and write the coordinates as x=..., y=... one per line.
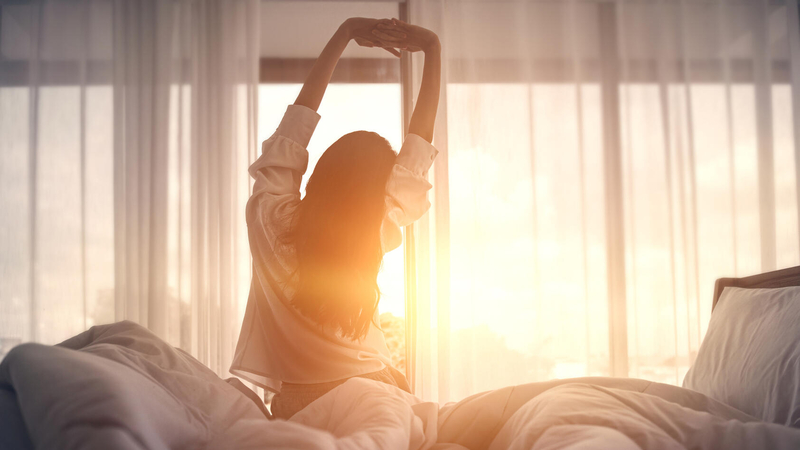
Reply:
x=362, y=29
x=405, y=36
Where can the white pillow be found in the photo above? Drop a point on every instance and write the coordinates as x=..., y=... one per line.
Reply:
x=750, y=357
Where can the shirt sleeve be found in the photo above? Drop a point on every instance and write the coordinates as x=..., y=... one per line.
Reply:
x=407, y=189
x=284, y=158
x=279, y=170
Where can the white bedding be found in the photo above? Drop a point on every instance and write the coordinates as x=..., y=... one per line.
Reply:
x=573, y=415
x=119, y=386
x=749, y=357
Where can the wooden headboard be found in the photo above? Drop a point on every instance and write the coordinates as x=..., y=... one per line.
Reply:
x=778, y=278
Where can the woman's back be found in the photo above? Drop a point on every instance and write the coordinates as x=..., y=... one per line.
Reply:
x=311, y=317
x=278, y=343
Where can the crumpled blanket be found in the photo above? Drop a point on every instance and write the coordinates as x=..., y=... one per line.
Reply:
x=583, y=416
x=119, y=386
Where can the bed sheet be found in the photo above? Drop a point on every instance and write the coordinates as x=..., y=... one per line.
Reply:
x=119, y=386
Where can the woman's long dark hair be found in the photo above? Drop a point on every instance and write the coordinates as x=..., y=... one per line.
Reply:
x=336, y=233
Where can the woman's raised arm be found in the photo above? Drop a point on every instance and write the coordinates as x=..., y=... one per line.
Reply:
x=418, y=38
x=357, y=28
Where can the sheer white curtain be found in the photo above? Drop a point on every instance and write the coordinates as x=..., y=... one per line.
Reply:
x=602, y=163
x=127, y=129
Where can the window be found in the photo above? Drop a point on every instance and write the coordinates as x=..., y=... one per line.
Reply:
x=607, y=162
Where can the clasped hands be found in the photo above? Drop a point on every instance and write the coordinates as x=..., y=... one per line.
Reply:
x=392, y=35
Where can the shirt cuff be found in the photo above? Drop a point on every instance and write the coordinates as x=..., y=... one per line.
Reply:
x=298, y=124
x=416, y=155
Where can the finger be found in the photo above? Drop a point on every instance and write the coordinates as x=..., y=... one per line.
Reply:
x=393, y=31
x=392, y=51
x=384, y=44
x=364, y=42
x=398, y=24
x=396, y=33
x=407, y=47
x=385, y=37
x=387, y=26
x=389, y=29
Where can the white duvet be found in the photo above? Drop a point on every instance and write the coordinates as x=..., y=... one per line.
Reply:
x=120, y=387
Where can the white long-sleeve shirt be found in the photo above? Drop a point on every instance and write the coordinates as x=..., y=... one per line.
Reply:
x=277, y=343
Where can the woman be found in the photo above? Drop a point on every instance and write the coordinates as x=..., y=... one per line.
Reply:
x=311, y=317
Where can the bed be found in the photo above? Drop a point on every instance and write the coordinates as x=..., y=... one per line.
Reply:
x=776, y=279
x=120, y=386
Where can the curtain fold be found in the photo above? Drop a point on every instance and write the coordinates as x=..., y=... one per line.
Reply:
x=128, y=129
x=601, y=164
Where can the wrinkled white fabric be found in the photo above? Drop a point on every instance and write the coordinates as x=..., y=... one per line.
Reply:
x=277, y=343
x=749, y=358
x=614, y=418
x=120, y=386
